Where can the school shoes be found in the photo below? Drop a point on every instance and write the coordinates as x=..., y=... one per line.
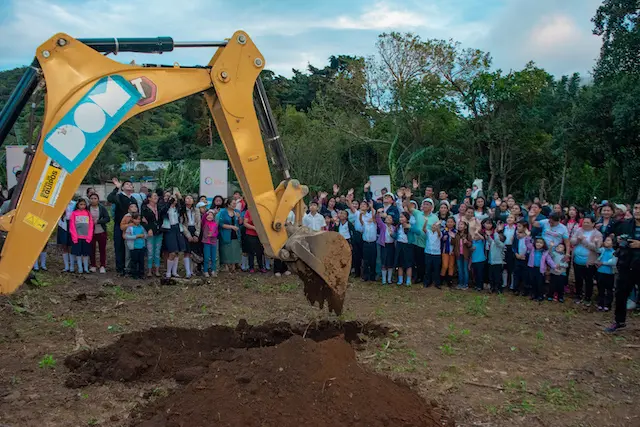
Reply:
x=615, y=326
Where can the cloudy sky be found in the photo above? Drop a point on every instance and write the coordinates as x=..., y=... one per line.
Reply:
x=556, y=34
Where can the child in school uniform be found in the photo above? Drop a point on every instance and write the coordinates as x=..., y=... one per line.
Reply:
x=135, y=236
x=606, y=264
x=558, y=276
x=539, y=261
x=210, y=243
x=478, y=259
x=404, y=251
x=495, y=250
x=433, y=255
x=387, y=247
x=521, y=243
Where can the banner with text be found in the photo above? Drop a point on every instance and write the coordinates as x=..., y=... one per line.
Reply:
x=15, y=161
x=378, y=182
x=214, y=178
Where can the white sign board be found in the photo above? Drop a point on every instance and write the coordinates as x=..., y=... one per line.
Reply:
x=378, y=182
x=15, y=161
x=214, y=178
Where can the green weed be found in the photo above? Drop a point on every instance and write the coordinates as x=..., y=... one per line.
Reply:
x=115, y=329
x=447, y=349
x=47, y=362
x=570, y=314
x=121, y=294
x=501, y=298
x=562, y=398
x=289, y=287
x=69, y=323
x=477, y=306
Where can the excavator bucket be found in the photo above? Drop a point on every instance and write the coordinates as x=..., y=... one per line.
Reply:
x=323, y=263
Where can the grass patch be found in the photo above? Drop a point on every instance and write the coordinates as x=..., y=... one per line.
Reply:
x=69, y=323
x=566, y=399
x=477, y=306
x=289, y=287
x=447, y=349
x=121, y=294
x=47, y=362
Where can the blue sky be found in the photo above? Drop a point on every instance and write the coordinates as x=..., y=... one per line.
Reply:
x=556, y=34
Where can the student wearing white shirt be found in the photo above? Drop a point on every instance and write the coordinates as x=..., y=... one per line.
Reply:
x=404, y=251
x=366, y=222
x=509, y=255
x=313, y=219
x=433, y=256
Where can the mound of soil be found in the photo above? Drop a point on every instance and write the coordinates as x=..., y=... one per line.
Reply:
x=165, y=352
x=297, y=383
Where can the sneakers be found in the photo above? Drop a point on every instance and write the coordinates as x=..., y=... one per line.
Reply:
x=615, y=326
x=561, y=300
x=102, y=270
x=606, y=308
x=278, y=274
x=214, y=274
x=206, y=274
x=264, y=270
x=586, y=303
x=577, y=301
x=93, y=269
x=287, y=273
x=600, y=308
x=252, y=271
x=550, y=299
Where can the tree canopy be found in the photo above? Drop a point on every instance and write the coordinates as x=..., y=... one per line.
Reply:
x=431, y=110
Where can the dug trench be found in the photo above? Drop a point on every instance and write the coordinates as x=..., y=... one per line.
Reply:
x=274, y=374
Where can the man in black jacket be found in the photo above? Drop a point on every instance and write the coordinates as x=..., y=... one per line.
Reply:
x=121, y=197
x=628, y=234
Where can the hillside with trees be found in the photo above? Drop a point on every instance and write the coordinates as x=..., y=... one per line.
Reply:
x=427, y=109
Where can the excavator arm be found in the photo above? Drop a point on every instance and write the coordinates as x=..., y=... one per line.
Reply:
x=88, y=96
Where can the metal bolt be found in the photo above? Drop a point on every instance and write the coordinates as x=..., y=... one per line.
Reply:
x=224, y=75
x=62, y=42
x=46, y=53
x=242, y=39
x=277, y=226
x=258, y=62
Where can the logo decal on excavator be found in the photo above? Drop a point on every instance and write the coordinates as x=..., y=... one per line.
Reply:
x=148, y=90
x=50, y=184
x=85, y=125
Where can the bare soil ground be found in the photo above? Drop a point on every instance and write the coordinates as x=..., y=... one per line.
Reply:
x=478, y=359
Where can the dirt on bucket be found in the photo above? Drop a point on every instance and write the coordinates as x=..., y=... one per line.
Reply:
x=265, y=375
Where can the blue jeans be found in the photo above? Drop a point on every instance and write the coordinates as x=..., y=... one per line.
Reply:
x=463, y=271
x=154, y=244
x=210, y=253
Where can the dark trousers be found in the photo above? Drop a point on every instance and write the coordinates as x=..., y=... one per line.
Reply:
x=356, y=255
x=118, y=246
x=279, y=266
x=432, y=265
x=369, y=254
x=418, y=259
x=558, y=282
x=584, y=280
x=628, y=278
x=136, y=263
x=536, y=280
x=255, y=250
x=478, y=275
x=495, y=277
x=99, y=240
x=605, y=289
x=521, y=276
x=509, y=263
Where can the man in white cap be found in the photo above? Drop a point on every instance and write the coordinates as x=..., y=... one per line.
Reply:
x=390, y=208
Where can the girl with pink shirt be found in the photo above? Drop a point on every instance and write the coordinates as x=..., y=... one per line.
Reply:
x=81, y=230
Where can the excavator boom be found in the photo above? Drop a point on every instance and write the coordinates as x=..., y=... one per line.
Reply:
x=88, y=96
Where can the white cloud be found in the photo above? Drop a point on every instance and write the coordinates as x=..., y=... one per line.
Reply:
x=555, y=32
x=381, y=16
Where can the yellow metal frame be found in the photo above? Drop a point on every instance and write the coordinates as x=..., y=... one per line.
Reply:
x=71, y=70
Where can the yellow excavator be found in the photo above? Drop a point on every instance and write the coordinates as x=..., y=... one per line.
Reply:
x=87, y=96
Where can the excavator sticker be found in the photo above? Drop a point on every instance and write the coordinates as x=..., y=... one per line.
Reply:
x=50, y=184
x=87, y=123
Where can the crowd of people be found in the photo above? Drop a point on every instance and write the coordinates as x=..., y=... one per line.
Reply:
x=528, y=248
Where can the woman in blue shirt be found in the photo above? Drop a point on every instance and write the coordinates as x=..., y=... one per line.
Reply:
x=229, y=222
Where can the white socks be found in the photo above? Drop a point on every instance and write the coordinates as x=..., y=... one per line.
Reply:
x=170, y=267
x=174, y=267
x=389, y=275
x=43, y=260
x=85, y=261
x=187, y=266
x=79, y=259
x=65, y=258
x=245, y=262
x=384, y=276
x=505, y=276
x=72, y=261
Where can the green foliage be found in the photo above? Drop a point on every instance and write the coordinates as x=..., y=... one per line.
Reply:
x=477, y=306
x=424, y=109
x=47, y=362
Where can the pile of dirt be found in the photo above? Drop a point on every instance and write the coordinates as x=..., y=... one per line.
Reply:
x=166, y=352
x=297, y=383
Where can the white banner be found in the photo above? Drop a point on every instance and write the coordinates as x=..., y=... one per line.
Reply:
x=15, y=161
x=378, y=182
x=214, y=178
